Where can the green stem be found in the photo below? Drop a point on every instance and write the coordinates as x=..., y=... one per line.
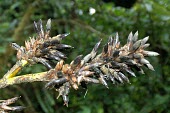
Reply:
x=15, y=69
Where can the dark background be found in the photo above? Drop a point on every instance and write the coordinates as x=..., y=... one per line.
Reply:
x=146, y=93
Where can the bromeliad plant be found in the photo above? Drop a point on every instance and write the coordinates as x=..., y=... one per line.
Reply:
x=114, y=64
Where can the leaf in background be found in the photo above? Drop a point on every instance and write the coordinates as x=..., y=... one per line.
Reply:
x=2, y=50
x=85, y=109
x=155, y=104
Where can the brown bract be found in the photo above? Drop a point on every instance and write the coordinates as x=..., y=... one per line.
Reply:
x=42, y=48
x=114, y=64
x=4, y=105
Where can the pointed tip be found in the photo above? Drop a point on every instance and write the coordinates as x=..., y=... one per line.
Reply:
x=66, y=104
x=49, y=85
x=40, y=21
x=151, y=53
x=144, y=40
x=156, y=53
x=64, y=35
x=130, y=37
x=48, y=25
x=35, y=25
x=49, y=21
x=136, y=32
x=15, y=46
x=117, y=35
x=131, y=33
x=135, y=37
x=150, y=67
x=35, y=22
x=110, y=40
x=18, y=108
x=100, y=41
x=97, y=46
x=147, y=37
x=116, y=38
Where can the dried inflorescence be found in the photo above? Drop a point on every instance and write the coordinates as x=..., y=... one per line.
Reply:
x=4, y=108
x=42, y=49
x=114, y=64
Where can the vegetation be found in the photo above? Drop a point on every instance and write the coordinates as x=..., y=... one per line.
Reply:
x=148, y=93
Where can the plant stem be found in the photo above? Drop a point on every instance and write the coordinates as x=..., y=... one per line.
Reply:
x=15, y=69
x=43, y=76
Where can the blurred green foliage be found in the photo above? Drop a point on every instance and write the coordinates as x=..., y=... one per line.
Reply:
x=149, y=93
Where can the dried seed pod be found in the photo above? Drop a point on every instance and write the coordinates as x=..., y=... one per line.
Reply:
x=94, y=51
x=43, y=48
x=144, y=61
x=48, y=25
x=36, y=28
x=130, y=62
x=112, y=79
x=123, y=77
x=16, y=108
x=59, y=66
x=65, y=99
x=104, y=69
x=62, y=46
x=137, y=55
x=129, y=40
x=43, y=61
x=4, y=105
x=90, y=66
x=150, y=67
x=130, y=72
x=150, y=53
x=136, y=45
x=65, y=93
x=80, y=79
x=76, y=61
x=91, y=80
x=145, y=46
x=116, y=77
x=110, y=41
x=86, y=73
x=116, y=40
x=58, y=53
x=103, y=81
x=92, y=54
x=124, y=58
x=73, y=84
x=135, y=37
x=54, y=82
x=105, y=49
x=144, y=40
x=41, y=28
x=53, y=57
x=112, y=64
x=15, y=46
